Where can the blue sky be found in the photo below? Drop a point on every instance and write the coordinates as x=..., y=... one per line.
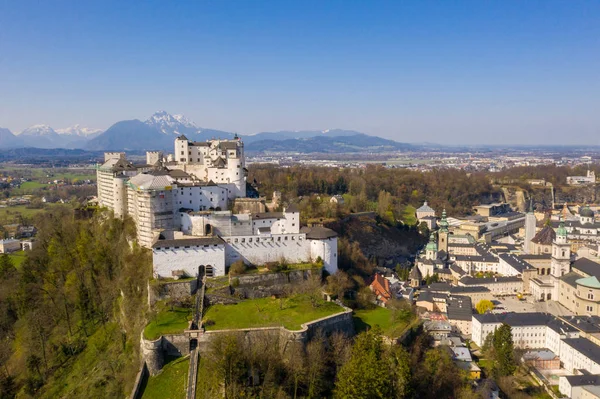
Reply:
x=476, y=72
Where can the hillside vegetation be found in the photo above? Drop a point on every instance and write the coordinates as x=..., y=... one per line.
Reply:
x=71, y=316
x=376, y=188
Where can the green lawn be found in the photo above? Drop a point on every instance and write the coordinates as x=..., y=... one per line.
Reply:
x=168, y=321
x=32, y=185
x=365, y=319
x=17, y=258
x=170, y=383
x=409, y=215
x=12, y=212
x=265, y=312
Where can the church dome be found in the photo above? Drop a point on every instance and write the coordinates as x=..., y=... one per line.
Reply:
x=586, y=212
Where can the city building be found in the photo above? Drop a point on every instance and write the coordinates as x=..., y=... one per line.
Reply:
x=589, y=178
x=9, y=245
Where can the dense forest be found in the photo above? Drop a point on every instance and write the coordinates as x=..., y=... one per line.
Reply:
x=71, y=314
x=334, y=366
x=452, y=189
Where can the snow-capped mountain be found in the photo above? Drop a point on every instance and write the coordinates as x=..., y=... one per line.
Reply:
x=38, y=131
x=172, y=124
x=159, y=131
x=80, y=131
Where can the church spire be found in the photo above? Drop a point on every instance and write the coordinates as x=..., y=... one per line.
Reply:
x=444, y=222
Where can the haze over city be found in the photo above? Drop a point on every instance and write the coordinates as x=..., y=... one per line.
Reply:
x=450, y=73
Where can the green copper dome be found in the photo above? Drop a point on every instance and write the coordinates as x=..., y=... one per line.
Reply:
x=444, y=222
x=431, y=245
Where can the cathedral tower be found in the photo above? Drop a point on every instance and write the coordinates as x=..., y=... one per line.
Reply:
x=529, y=229
x=561, y=252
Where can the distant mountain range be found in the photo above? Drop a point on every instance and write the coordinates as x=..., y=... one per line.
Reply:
x=158, y=132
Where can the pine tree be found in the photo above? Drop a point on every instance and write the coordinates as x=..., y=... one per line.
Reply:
x=366, y=374
x=7, y=268
x=504, y=351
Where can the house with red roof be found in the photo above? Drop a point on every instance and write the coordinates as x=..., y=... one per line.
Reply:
x=382, y=289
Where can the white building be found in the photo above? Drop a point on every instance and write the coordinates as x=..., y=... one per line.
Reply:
x=179, y=203
x=589, y=178
x=222, y=238
x=530, y=230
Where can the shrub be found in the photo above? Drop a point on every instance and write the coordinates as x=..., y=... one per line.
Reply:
x=272, y=266
x=237, y=268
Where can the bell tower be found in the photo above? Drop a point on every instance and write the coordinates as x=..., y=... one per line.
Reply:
x=443, y=233
x=561, y=252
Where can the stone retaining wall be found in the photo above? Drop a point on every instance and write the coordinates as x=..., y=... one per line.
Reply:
x=161, y=290
x=142, y=376
x=154, y=352
x=252, y=286
x=339, y=322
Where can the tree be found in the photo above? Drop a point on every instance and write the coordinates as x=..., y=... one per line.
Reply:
x=484, y=306
x=438, y=376
x=403, y=272
x=7, y=268
x=402, y=311
x=316, y=357
x=432, y=279
x=504, y=363
x=338, y=284
x=366, y=374
x=401, y=372
x=423, y=229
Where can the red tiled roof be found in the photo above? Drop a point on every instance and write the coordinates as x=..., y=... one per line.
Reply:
x=381, y=288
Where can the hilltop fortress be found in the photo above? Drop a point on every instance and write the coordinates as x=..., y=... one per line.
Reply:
x=179, y=203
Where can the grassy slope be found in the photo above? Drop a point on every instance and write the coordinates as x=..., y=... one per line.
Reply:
x=409, y=215
x=17, y=258
x=11, y=214
x=382, y=317
x=266, y=312
x=170, y=383
x=92, y=372
x=168, y=321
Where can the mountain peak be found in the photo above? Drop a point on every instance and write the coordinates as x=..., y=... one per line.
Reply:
x=78, y=130
x=171, y=124
x=38, y=130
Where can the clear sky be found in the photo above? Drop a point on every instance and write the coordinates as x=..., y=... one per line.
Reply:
x=447, y=71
